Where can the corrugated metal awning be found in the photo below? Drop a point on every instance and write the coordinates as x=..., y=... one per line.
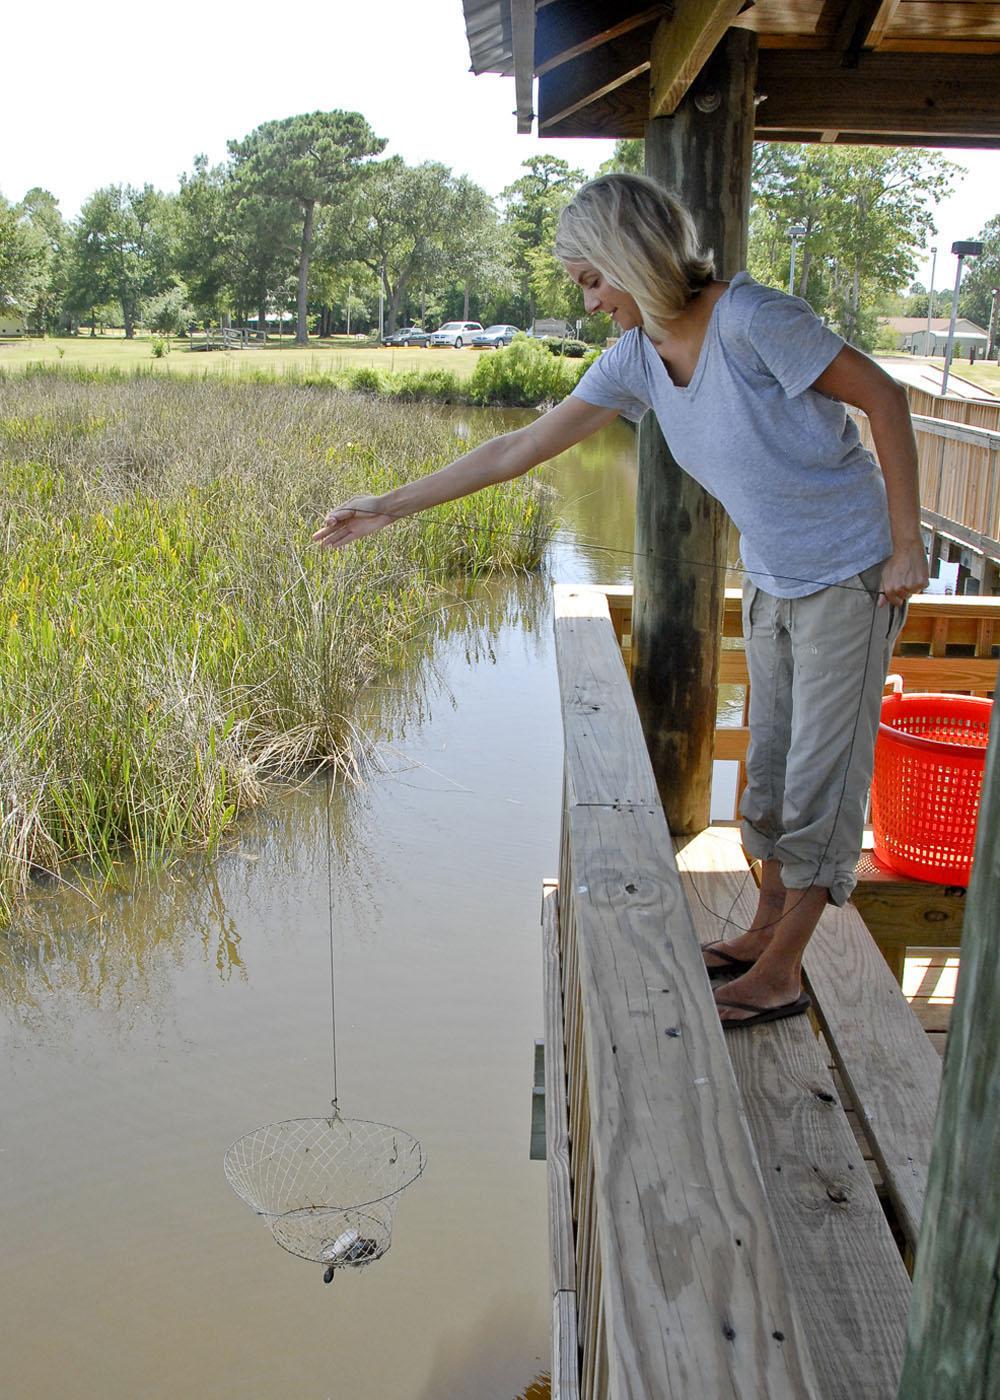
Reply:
x=487, y=26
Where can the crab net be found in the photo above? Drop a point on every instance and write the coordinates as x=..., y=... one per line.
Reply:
x=328, y=1187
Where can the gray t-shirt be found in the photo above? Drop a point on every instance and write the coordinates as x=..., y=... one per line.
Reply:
x=784, y=460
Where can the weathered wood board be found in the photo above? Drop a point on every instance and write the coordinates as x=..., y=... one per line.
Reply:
x=694, y=1303
x=847, y=1273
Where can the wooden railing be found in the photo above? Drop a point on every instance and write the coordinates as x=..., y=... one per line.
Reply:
x=974, y=413
x=673, y=1261
x=947, y=644
x=221, y=338
x=959, y=482
x=714, y=1229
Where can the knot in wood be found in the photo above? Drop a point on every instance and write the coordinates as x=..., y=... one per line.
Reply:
x=838, y=1193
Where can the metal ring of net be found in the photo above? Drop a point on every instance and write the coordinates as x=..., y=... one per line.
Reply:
x=328, y=1187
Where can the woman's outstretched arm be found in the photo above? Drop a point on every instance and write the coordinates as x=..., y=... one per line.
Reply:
x=500, y=459
x=855, y=379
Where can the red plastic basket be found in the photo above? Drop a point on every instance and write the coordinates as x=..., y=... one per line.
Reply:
x=929, y=761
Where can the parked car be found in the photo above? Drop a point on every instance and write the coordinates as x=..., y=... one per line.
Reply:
x=456, y=333
x=412, y=335
x=496, y=336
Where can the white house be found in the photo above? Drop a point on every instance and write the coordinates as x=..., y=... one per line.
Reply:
x=12, y=322
x=913, y=337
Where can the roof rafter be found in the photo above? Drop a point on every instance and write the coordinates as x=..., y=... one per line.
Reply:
x=591, y=76
x=682, y=45
x=592, y=26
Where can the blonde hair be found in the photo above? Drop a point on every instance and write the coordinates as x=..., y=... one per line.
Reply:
x=642, y=239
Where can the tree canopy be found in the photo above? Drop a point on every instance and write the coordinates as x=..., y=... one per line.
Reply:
x=866, y=211
x=304, y=160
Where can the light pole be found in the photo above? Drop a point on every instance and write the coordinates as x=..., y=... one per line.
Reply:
x=930, y=301
x=795, y=233
x=991, y=346
x=962, y=250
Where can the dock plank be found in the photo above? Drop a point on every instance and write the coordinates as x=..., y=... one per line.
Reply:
x=889, y=1067
x=845, y=1268
x=890, y=1070
x=685, y=1312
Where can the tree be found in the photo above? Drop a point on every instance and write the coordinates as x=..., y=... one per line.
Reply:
x=39, y=212
x=122, y=249
x=417, y=228
x=22, y=260
x=982, y=275
x=866, y=212
x=306, y=160
x=533, y=205
x=628, y=157
x=204, y=251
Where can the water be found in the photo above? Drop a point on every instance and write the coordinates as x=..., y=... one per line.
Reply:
x=142, y=1031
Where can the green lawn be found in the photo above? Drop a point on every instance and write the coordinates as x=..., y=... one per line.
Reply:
x=107, y=351
x=986, y=374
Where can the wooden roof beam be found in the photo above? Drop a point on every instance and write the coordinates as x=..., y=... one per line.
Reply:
x=682, y=45
x=566, y=29
x=862, y=24
x=591, y=76
x=897, y=94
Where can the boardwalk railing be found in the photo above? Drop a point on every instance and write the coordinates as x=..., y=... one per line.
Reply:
x=959, y=486
x=221, y=338
x=679, y=1286
x=715, y=1232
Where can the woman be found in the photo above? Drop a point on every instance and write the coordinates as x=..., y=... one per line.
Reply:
x=749, y=390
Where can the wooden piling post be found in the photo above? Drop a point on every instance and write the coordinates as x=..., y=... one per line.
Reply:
x=703, y=153
x=954, y=1323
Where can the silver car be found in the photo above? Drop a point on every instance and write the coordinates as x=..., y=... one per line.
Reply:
x=496, y=336
x=456, y=333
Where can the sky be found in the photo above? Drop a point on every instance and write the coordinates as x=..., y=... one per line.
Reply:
x=117, y=92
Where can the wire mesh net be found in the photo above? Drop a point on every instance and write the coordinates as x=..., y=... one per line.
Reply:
x=328, y=1187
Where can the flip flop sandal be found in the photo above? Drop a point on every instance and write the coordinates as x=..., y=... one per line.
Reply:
x=730, y=965
x=763, y=1014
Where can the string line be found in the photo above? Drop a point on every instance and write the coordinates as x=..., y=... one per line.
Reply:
x=324, y=643
x=725, y=568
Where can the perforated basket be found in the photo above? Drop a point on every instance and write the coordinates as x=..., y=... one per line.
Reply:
x=929, y=761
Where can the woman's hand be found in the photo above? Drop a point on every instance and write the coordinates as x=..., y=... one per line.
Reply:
x=905, y=573
x=358, y=517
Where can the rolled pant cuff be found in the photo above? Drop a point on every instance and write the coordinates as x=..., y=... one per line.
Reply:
x=837, y=878
x=757, y=844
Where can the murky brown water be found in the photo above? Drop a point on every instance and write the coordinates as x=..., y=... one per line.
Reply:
x=144, y=1032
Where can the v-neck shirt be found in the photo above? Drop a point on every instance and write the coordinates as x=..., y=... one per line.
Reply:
x=785, y=460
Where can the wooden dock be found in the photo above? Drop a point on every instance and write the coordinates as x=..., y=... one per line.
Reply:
x=731, y=1216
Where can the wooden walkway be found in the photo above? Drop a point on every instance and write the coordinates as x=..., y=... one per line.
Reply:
x=716, y=1201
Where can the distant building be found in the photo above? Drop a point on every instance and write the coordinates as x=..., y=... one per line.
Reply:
x=11, y=320
x=912, y=335
x=551, y=326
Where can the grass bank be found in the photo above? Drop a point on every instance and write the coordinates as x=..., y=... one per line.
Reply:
x=171, y=640
x=525, y=374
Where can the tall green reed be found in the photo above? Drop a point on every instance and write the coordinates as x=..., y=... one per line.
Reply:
x=171, y=641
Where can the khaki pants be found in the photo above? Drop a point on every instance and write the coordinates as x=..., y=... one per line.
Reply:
x=817, y=670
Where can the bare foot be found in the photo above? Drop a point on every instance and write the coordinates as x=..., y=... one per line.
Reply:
x=762, y=988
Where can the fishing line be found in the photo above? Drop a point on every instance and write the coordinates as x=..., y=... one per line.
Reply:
x=725, y=568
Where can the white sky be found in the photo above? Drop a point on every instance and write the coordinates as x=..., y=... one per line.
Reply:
x=121, y=92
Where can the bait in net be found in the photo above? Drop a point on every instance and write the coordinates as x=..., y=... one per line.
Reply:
x=327, y=1187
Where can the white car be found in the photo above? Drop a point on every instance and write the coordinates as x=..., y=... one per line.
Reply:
x=456, y=333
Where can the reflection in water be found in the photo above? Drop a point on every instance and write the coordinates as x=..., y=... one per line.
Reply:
x=144, y=1030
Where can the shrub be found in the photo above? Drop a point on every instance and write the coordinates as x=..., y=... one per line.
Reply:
x=575, y=349
x=160, y=347
x=365, y=380
x=523, y=375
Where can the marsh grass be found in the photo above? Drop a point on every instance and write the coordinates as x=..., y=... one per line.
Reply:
x=172, y=643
